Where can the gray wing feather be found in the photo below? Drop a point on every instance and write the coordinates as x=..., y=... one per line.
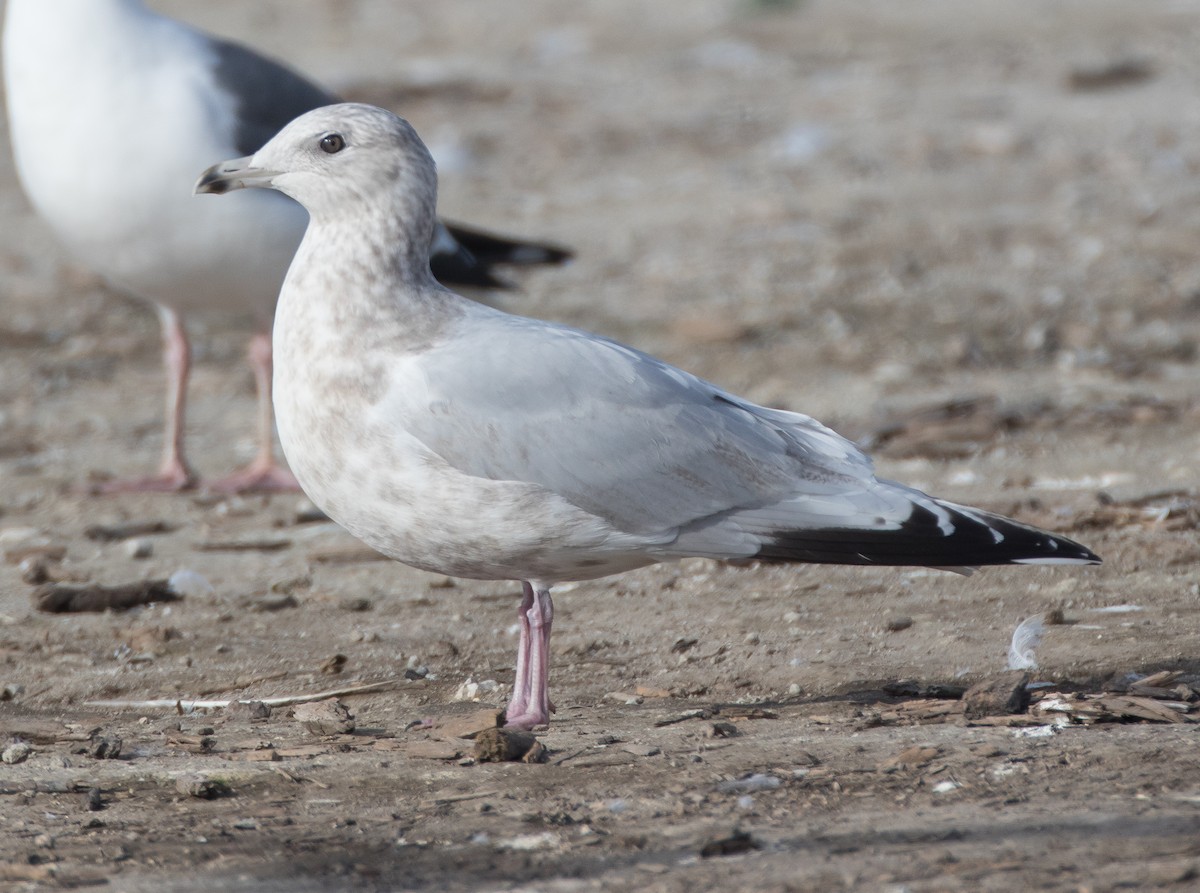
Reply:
x=616, y=432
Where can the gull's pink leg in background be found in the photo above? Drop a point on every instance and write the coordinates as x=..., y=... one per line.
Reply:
x=174, y=473
x=264, y=473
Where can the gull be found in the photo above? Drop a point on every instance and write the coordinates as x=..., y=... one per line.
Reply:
x=112, y=110
x=463, y=440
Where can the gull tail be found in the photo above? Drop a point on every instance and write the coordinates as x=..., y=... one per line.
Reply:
x=465, y=256
x=935, y=534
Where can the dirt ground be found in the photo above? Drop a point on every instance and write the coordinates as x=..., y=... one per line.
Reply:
x=965, y=233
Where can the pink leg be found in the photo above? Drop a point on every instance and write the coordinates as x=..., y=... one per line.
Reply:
x=536, y=707
x=174, y=473
x=264, y=473
x=520, y=696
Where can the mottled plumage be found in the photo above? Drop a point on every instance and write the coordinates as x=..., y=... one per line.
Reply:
x=466, y=441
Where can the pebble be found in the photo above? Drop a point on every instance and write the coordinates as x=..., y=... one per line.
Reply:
x=16, y=753
x=897, y=623
x=190, y=584
x=329, y=717
x=623, y=697
x=139, y=547
x=749, y=784
x=201, y=787
x=471, y=690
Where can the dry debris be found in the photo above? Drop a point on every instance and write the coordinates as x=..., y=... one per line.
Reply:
x=114, y=533
x=1006, y=693
x=65, y=598
x=508, y=746
x=329, y=717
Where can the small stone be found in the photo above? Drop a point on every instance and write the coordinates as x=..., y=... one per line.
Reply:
x=95, y=800
x=736, y=843
x=250, y=711
x=105, y=748
x=16, y=753
x=307, y=513
x=471, y=690
x=623, y=697
x=334, y=664
x=897, y=623
x=358, y=605
x=752, y=639
x=139, y=548
x=35, y=570
x=642, y=750
x=190, y=584
x=201, y=786
x=910, y=758
x=329, y=717
x=750, y=784
x=271, y=603
x=44, y=841
x=11, y=691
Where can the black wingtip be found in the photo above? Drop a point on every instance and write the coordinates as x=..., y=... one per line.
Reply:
x=955, y=536
x=491, y=248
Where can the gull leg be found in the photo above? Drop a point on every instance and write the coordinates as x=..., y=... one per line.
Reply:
x=174, y=473
x=537, y=707
x=264, y=473
x=519, y=703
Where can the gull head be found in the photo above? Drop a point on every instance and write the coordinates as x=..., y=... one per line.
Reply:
x=333, y=157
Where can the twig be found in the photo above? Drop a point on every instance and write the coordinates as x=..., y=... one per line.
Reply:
x=188, y=705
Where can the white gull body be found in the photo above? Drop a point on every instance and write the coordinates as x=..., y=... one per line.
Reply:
x=112, y=110
x=466, y=441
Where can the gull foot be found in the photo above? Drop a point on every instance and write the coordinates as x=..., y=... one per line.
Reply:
x=256, y=479
x=527, y=721
x=174, y=481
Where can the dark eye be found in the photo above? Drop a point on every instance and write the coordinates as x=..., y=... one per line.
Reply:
x=332, y=143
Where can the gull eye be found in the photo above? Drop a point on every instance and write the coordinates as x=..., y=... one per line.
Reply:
x=332, y=143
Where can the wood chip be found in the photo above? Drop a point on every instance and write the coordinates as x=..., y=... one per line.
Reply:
x=65, y=598
x=469, y=725
x=911, y=758
x=261, y=755
x=251, y=545
x=434, y=749
x=114, y=533
x=645, y=691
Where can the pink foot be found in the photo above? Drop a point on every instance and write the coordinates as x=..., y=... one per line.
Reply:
x=170, y=480
x=256, y=478
x=527, y=721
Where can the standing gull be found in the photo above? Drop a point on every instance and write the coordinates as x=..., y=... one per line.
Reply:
x=112, y=110
x=466, y=441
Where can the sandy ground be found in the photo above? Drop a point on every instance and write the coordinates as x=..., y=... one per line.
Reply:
x=861, y=210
